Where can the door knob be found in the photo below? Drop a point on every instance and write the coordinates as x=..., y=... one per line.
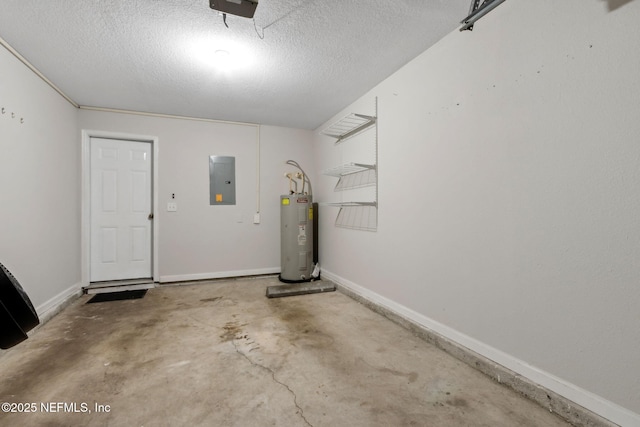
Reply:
x=150, y=216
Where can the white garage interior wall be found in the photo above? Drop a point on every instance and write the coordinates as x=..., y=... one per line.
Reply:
x=509, y=192
x=39, y=187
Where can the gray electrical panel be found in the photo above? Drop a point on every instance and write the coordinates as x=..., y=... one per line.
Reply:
x=222, y=180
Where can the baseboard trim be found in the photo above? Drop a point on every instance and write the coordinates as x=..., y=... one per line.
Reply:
x=576, y=405
x=218, y=275
x=55, y=305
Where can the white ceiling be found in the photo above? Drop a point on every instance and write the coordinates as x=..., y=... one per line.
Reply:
x=315, y=57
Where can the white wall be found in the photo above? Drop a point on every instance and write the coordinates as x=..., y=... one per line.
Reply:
x=201, y=241
x=509, y=173
x=39, y=186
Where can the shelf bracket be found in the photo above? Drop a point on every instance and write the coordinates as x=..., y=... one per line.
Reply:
x=477, y=10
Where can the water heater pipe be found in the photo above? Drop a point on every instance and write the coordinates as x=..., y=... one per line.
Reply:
x=304, y=176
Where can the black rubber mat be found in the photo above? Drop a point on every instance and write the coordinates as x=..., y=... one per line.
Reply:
x=118, y=296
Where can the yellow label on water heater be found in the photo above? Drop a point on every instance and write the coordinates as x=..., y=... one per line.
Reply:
x=285, y=201
x=310, y=214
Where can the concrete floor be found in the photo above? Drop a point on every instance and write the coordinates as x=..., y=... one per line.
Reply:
x=222, y=354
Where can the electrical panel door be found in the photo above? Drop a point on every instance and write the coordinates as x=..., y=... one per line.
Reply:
x=222, y=180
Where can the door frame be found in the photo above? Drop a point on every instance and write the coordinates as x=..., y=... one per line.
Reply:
x=85, y=244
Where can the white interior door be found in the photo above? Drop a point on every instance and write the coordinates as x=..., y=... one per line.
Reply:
x=121, y=209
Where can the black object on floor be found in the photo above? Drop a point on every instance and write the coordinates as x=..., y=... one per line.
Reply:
x=12, y=334
x=17, y=315
x=118, y=296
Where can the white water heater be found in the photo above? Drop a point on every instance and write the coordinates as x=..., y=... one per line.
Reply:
x=296, y=238
x=298, y=228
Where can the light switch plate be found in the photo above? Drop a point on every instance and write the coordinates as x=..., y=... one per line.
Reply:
x=172, y=207
x=256, y=218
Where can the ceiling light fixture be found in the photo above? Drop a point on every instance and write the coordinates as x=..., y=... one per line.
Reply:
x=223, y=55
x=222, y=59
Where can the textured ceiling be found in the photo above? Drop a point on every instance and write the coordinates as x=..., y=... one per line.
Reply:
x=301, y=61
